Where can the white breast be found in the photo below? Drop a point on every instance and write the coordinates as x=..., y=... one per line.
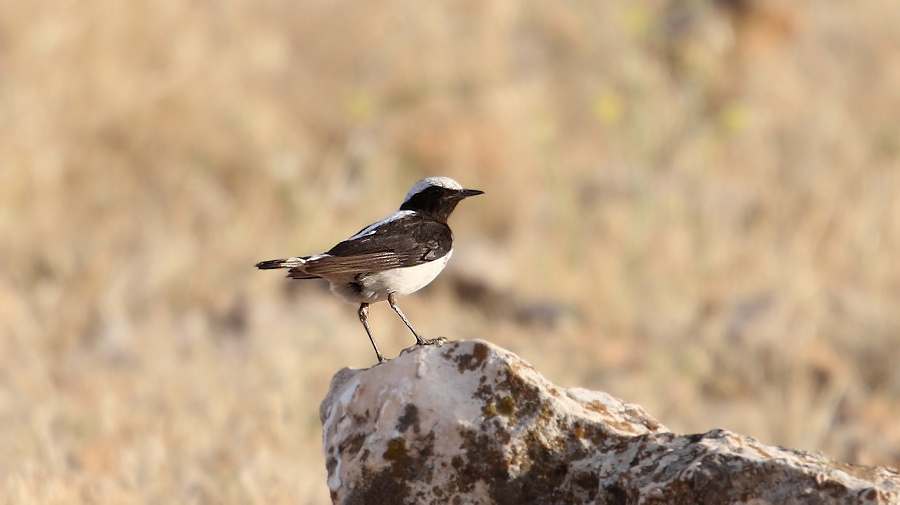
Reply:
x=377, y=286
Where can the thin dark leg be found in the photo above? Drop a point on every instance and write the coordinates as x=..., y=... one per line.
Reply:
x=363, y=318
x=419, y=340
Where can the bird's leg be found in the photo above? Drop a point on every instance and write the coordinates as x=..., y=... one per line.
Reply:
x=364, y=319
x=392, y=300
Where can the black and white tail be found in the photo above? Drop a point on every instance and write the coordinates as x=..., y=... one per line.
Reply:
x=282, y=263
x=296, y=266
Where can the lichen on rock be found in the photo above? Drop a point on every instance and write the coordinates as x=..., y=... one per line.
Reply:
x=471, y=423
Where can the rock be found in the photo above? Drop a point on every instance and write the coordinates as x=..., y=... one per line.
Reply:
x=471, y=423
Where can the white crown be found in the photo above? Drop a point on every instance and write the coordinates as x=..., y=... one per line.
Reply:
x=443, y=182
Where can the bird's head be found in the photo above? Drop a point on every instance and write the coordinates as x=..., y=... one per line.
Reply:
x=436, y=196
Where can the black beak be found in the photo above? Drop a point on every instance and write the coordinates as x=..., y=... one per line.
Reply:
x=465, y=193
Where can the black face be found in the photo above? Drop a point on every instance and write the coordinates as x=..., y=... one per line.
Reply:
x=437, y=201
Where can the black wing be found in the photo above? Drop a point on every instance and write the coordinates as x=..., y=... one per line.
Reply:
x=404, y=242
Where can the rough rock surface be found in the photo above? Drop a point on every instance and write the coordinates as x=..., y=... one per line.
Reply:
x=469, y=422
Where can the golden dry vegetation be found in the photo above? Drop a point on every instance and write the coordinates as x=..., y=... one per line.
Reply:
x=692, y=205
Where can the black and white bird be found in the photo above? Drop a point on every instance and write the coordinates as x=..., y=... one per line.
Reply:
x=396, y=256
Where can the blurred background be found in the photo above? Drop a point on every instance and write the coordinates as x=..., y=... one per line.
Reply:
x=691, y=205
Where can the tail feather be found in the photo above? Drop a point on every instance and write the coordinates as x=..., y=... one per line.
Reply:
x=296, y=266
x=299, y=273
x=282, y=263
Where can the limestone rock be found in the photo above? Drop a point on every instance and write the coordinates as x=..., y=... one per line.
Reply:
x=471, y=423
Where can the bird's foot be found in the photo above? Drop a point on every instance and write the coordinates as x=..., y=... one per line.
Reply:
x=432, y=341
x=422, y=342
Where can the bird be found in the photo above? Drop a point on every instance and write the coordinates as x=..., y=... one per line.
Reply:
x=393, y=257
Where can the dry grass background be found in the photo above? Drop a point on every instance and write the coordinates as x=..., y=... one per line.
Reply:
x=698, y=207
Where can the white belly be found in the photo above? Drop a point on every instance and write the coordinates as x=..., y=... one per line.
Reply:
x=402, y=281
